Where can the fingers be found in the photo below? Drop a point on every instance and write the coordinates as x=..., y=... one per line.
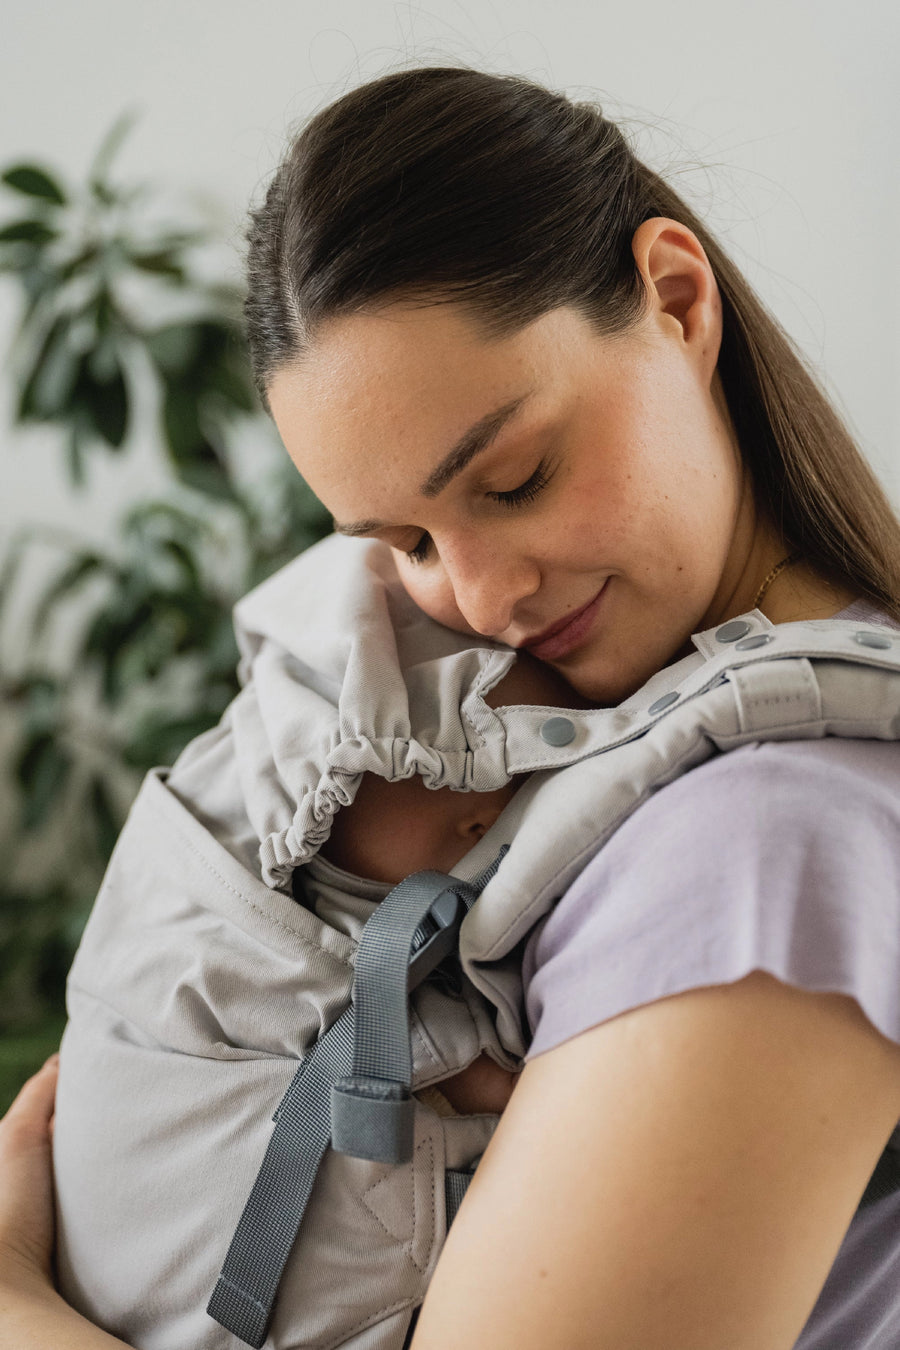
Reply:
x=30, y=1115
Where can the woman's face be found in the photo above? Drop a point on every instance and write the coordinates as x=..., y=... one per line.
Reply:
x=578, y=495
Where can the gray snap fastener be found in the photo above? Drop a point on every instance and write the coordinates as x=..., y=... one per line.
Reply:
x=751, y=643
x=879, y=640
x=558, y=731
x=665, y=702
x=730, y=632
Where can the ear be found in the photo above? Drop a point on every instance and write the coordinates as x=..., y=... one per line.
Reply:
x=682, y=293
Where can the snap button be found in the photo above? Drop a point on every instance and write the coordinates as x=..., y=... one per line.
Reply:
x=730, y=632
x=879, y=640
x=751, y=643
x=665, y=702
x=558, y=731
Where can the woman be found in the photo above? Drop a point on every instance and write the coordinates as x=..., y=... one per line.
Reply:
x=494, y=340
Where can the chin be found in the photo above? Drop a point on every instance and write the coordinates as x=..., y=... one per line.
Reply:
x=607, y=685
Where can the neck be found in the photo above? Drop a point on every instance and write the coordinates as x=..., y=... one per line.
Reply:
x=801, y=593
x=797, y=592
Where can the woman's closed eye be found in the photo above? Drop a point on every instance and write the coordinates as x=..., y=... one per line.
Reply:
x=520, y=496
x=527, y=491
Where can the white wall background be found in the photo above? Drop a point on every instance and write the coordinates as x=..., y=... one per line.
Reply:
x=779, y=119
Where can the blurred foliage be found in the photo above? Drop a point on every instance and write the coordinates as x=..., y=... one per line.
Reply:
x=129, y=649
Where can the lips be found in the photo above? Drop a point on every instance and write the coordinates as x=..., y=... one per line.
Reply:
x=566, y=634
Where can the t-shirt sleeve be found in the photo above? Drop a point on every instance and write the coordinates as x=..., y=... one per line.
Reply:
x=778, y=856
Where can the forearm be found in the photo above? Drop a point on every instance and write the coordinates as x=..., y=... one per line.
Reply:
x=34, y=1317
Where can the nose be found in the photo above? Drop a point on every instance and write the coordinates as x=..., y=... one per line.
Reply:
x=481, y=810
x=488, y=580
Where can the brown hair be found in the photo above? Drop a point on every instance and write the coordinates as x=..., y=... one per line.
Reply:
x=453, y=184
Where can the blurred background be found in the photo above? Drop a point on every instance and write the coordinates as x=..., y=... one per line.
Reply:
x=141, y=489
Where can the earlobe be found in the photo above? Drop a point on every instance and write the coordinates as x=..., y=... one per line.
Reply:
x=679, y=282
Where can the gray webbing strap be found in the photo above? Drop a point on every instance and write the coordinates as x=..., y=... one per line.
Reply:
x=372, y=1109
x=423, y=925
x=455, y=1186
x=885, y=1179
x=248, y=1281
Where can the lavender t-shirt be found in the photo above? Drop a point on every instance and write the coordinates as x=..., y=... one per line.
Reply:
x=778, y=856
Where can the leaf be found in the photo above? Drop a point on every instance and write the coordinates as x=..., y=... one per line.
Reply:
x=108, y=149
x=27, y=232
x=34, y=182
x=221, y=648
x=54, y=376
x=235, y=386
x=197, y=462
x=183, y=561
x=174, y=347
x=75, y=454
x=216, y=338
x=160, y=264
x=38, y=280
x=153, y=517
x=103, y=359
x=107, y=821
x=11, y=566
x=83, y=567
x=104, y=194
x=115, y=637
x=43, y=770
x=159, y=739
x=181, y=419
x=108, y=404
x=207, y=475
x=42, y=706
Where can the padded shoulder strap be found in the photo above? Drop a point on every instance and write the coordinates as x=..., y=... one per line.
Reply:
x=749, y=681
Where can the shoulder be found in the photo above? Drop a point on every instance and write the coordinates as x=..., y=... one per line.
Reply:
x=782, y=856
x=766, y=791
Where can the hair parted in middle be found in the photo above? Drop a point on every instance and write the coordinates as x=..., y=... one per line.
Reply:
x=446, y=184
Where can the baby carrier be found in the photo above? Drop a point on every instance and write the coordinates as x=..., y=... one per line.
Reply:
x=242, y=1119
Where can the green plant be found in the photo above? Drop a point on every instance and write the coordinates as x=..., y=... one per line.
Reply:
x=130, y=650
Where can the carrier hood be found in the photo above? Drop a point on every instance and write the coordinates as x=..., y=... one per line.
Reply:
x=341, y=674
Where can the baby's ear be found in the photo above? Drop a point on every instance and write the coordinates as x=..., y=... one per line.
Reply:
x=532, y=681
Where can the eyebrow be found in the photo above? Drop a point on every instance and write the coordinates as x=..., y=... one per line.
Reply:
x=472, y=443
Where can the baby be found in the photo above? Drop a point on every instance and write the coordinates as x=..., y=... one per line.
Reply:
x=392, y=829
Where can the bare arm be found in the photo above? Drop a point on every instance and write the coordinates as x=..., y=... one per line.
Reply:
x=678, y=1178
x=40, y=1320
x=32, y=1314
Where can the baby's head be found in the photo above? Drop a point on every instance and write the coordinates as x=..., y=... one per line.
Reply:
x=393, y=829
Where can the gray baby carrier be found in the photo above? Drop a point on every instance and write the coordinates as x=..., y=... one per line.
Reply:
x=249, y=1083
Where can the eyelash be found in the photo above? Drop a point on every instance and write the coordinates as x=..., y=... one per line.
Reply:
x=520, y=496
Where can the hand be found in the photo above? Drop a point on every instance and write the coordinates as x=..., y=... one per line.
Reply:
x=26, y=1182
x=33, y=1316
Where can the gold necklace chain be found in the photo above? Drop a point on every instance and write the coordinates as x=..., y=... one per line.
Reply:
x=785, y=562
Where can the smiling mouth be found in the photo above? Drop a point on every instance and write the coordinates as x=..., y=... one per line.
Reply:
x=567, y=633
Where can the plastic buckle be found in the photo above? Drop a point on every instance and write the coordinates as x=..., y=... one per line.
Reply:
x=435, y=937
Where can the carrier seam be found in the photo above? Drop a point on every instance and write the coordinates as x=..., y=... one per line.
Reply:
x=250, y=904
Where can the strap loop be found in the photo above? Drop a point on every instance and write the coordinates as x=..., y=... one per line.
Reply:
x=372, y=1119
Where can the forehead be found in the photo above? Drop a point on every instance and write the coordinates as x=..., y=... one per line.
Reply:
x=397, y=387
